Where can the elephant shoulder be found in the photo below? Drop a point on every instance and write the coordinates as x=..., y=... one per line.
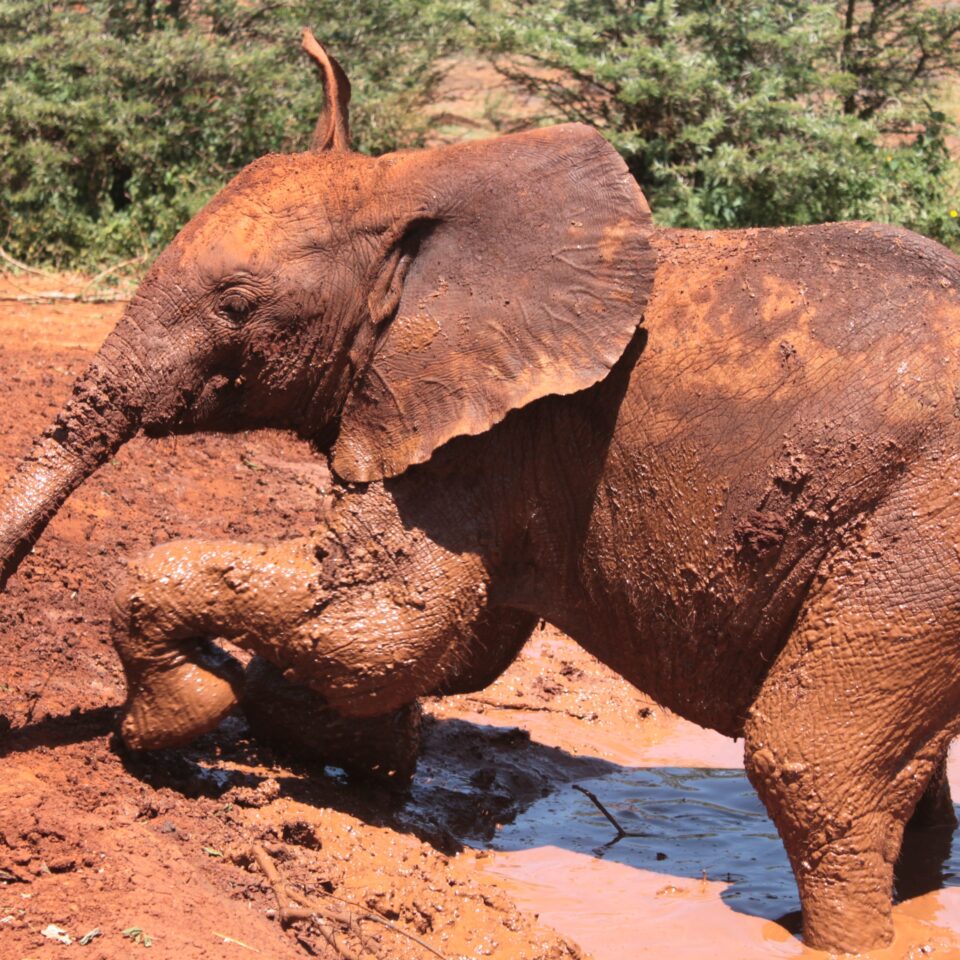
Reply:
x=849, y=285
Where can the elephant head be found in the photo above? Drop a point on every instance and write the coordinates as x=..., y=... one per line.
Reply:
x=379, y=306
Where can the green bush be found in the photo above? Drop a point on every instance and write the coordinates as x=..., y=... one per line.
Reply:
x=752, y=112
x=119, y=118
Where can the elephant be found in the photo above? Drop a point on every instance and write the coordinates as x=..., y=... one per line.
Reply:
x=724, y=462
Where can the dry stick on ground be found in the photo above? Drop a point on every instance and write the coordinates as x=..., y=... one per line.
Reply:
x=283, y=895
x=529, y=708
x=621, y=833
x=20, y=266
x=103, y=274
x=50, y=296
x=336, y=911
x=19, y=286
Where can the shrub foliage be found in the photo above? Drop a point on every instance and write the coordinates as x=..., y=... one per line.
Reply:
x=118, y=118
x=752, y=112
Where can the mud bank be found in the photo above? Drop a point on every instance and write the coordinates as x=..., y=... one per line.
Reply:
x=92, y=839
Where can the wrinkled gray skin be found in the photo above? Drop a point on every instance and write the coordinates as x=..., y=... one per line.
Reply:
x=753, y=515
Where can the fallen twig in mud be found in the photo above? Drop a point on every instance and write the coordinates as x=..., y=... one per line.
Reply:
x=238, y=943
x=336, y=912
x=531, y=708
x=52, y=296
x=621, y=833
x=316, y=912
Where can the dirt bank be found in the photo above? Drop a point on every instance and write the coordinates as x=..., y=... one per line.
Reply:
x=90, y=839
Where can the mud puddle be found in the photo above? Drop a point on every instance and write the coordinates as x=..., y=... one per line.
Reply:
x=707, y=878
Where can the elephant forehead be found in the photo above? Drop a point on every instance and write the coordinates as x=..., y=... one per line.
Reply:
x=275, y=201
x=232, y=244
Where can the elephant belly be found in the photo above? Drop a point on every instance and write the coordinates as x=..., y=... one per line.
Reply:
x=694, y=612
x=702, y=547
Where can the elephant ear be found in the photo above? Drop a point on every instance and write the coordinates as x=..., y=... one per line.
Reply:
x=523, y=272
x=332, y=131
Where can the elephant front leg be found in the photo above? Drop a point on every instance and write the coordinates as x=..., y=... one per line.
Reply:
x=173, y=601
x=935, y=807
x=848, y=730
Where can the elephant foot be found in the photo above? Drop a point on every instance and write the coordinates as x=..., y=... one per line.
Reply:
x=174, y=701
x=846, y=894
x=296, y=720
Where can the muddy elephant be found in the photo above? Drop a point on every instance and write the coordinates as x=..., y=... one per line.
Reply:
x=726, y=463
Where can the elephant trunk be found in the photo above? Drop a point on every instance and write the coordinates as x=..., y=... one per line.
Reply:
x=99, y=417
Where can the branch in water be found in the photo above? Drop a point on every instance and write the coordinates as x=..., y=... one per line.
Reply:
x=613, y=820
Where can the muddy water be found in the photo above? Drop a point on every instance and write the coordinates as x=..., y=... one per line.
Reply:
x=707, y=877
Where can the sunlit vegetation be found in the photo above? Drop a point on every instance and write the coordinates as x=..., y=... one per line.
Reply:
x=119, y=118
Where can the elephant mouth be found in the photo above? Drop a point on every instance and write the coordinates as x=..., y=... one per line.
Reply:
x=220, y=404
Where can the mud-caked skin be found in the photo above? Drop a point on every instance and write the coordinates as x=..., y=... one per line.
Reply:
x=380, y=750
x=301, y=602
x=749, y=506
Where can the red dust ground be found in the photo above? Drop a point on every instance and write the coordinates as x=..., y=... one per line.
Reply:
x=161, y=847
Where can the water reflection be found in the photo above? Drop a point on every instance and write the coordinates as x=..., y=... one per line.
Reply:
x=699, y=823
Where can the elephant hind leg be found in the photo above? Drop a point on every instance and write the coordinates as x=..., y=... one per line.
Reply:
x=178, y=597
x=928, y=838
x=851, y=725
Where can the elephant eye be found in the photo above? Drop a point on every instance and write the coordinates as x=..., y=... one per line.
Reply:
x=235, y=307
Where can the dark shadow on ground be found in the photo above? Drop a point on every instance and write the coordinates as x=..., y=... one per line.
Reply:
x=74, y=727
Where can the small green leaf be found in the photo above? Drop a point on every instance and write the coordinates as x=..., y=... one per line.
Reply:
x=138, y=935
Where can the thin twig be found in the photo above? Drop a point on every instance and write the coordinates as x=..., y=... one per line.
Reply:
x=20, y=266
x=103, y=274
x=340, y=912
x=375, y=918
x=238, y=943
x=36, y=699
x=529, y=708
x=331, y=939
x=51, y=296
x=9, y=277
x=613, y=820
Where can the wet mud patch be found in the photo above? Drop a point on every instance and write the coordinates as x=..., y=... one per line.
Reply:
x=474, y=778
x=700, y=873
x=697, y=823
